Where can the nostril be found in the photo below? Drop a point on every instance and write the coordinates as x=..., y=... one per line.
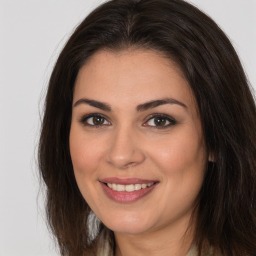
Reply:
x=125, y=158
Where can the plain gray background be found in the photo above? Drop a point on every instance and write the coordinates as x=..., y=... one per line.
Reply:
x=32, y=34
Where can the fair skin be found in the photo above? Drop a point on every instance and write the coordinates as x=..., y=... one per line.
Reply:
x=115, y=137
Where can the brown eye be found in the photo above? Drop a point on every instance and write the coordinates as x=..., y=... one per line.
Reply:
x=160, y=121
x=95, y=120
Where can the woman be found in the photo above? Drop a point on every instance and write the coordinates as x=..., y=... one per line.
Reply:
x=149, y=125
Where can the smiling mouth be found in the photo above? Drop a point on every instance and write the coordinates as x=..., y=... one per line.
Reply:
x=127, y=190
x=129, y=187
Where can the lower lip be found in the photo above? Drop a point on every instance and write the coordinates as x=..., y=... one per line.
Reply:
x=126, y=197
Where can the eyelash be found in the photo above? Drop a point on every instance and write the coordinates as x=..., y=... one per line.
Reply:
x=84, y=120
x=164, y=117
x=172, y=121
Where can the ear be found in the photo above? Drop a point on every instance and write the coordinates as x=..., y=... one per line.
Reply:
x=211, y=157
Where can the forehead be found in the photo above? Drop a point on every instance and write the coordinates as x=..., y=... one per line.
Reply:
x=131, y=76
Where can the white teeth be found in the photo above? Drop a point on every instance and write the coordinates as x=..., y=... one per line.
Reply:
x=137, y=186
x=143, y=185
x=120, y=187
x=128, y=188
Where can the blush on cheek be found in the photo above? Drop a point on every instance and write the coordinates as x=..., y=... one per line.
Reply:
x=78, y=149
x=181, y=157
x=85, y=158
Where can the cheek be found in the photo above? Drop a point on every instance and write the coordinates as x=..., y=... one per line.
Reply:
x=181, y=161
x=85, y=152
x=85, y=157
x=180, y=153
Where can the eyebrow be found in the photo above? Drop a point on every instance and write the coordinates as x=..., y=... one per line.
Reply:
x=142, y=107
x=93, y=103
x=156, y=103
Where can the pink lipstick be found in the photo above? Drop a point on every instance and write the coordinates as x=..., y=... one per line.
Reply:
x=127, y=190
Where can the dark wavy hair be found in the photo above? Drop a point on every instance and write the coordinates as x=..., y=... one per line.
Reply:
x=226, y=208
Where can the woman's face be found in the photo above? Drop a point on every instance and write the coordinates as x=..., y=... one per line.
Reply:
x=136, y=141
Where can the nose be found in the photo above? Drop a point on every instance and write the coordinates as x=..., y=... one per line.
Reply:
x=125, y=149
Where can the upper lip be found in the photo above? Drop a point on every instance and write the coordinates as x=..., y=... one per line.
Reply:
x=126, y=181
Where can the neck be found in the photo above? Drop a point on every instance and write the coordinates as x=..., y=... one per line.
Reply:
x=176, y=239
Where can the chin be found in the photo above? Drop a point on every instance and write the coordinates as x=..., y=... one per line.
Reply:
x=129, y=225
x=129, y=229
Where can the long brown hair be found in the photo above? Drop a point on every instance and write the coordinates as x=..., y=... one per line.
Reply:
x=226, y=217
